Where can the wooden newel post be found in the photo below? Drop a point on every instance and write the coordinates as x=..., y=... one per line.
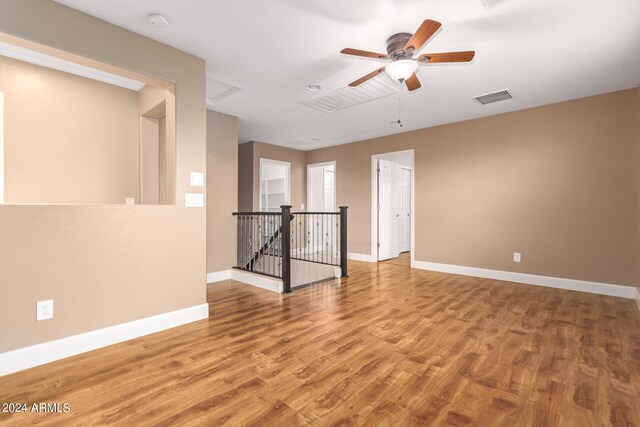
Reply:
x=343, y=240
x=286, y=248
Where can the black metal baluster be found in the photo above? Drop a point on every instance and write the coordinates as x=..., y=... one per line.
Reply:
x=286, y=257
x=343, y=240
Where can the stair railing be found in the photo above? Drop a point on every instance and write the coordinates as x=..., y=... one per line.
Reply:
x=317, y=237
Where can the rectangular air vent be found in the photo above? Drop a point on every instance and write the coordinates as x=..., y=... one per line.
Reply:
x=217, y=90
x=348, y=96
x=490, y=98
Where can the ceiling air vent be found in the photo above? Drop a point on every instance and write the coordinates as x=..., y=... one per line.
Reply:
x=490, y=98
x=217, y=90
x=347, y=97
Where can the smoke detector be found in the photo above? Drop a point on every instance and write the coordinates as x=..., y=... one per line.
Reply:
x=157, y=20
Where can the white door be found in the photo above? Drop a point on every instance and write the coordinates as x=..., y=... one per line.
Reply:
x=404, y=210
x=387, y=210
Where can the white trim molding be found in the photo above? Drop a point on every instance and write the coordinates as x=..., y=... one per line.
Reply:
x=218, y=276
x=258, y=280
x=360, y=257
x=39, y=354
x=531, y=279
x=638, y=298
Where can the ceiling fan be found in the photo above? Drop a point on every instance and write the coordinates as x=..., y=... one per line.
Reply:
x=400, y=50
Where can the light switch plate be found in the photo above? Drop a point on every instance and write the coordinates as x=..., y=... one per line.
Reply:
x=196, y=179
x=516, y=257
x=194, y=200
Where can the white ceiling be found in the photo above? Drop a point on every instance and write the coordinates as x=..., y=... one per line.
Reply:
x=543, y=51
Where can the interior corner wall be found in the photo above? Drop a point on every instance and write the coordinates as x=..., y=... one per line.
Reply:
x=298, y=160
x=638, y=204
x=556, y=183
x=222, y=190
x=245, y=177
x=104, y=265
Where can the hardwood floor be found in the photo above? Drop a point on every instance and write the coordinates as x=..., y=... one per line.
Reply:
x=403, y=259
x=389, y=346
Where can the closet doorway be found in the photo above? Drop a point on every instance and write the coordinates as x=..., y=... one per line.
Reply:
x=391, y=207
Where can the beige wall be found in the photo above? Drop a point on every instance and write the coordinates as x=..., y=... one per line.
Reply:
x=68, y=139
x=156, y=105
x=104, y=265
x=150, y=152
x=638, y=207
x=267, y=151
x=222, y=190
x=556, y=183
x=245, y=177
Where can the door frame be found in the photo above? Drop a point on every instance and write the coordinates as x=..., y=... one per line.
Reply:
x=335, y=182
x=408, y=168
x=374, y=202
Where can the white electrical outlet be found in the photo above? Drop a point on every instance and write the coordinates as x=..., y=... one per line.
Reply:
x=516, y=257
x=44, y=310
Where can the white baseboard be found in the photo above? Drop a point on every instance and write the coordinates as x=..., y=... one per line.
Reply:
x=531, y=279
x=218, y=276
x=258, y=280
x=360, y=257
x=638, y=298
x=39, y=354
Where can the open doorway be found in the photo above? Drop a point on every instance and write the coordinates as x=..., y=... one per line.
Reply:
x=391, y=207
x=321, y=187
x=321, y=197
x=275, y=187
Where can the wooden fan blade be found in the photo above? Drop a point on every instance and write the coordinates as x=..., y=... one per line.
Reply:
x=447, y=57
x=367, y=77
x=412, y=82
x=364, y=53
x=424, y=33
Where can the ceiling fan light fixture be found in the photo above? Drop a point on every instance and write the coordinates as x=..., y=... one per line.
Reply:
x=401, y=70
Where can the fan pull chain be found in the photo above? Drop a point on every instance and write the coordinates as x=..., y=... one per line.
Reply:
x=400, y=105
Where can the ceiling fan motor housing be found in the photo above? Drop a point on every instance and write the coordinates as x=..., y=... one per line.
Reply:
x=395, y=46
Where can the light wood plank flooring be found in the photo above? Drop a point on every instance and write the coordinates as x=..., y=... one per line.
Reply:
x=388, y=346
x=403, y=259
